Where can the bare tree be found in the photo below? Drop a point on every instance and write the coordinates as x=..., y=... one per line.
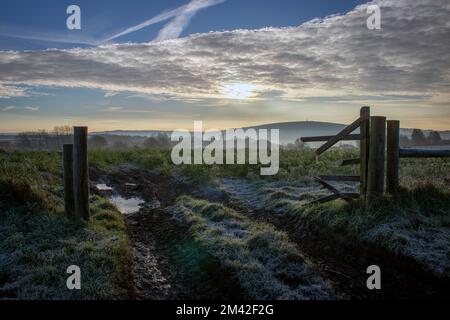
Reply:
x=63, y=134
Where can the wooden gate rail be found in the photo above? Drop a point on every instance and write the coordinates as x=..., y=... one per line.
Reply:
x=346, y=196
x=349, y=137
x=423, y=153
x=363, y=122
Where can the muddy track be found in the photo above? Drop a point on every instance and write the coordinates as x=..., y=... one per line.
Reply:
x=162, y=248
x=160, y=273
x=343, y=261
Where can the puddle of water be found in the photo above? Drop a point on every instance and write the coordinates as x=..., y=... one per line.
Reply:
x=126, y=206
x=103, y=187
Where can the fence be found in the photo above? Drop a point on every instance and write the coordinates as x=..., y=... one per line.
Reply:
x=76, y=176
x=395, y=152
x=378, y=151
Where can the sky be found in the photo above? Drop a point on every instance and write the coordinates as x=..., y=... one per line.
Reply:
x=142, y=65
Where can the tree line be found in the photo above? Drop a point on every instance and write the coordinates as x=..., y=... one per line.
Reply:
x=418, y=138
x=41, y=140
x=60, y=135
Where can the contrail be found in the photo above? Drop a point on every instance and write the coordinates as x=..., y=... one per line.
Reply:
x=182, y=16
x=173, y=29
x=159, y=18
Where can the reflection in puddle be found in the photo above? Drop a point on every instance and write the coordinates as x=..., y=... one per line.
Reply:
x=126, y=206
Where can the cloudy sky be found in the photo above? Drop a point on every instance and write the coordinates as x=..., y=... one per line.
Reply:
x=163, y=64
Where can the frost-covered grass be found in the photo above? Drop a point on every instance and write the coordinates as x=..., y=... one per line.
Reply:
x=38, y=243
x=415, y=224
x=263, y=261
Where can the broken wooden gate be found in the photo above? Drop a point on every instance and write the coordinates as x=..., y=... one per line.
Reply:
x=363, y=123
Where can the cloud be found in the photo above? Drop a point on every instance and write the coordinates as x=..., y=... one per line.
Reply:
x=31, y=109
x=111, y=109
x=109, y=94
x=50, y=36
x=332, y=57
x=7, y=108
x=8, y=91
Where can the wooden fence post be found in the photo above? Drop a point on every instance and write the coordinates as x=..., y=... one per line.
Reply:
x=364, y=149
x=375, y=174
x=393, y=154
x=69, y=205
x=80, y=173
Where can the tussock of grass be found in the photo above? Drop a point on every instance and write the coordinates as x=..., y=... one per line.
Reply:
x=415, y=224
x=263, y=261
x=38, y=243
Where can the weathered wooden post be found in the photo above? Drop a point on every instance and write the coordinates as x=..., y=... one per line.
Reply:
x=375, y=174
x=69, y=205
x=393, y=155
x=364, y=149
x=80, y=173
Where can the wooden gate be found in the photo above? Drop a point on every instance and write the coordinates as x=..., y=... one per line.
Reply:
x=363, y=123
x=379, y=157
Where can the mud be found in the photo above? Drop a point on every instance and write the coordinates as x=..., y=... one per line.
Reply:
x=161, y=248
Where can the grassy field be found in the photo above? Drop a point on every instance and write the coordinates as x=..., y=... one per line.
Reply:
x=295, y=165
x=416, y=223
x=37, y=242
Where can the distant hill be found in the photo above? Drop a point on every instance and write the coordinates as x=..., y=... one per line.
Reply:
x=289, y=131
x=131, y=133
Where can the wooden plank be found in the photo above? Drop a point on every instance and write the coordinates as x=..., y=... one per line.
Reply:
x=352, y=195
x=80, y=173
x=350, y=162
x=335, y=139
x=424, y=153
x=364, y=132
x=325, y=199
x=349, y=137
x=341, y=178
x=326, y=185
x=69, y=204
x=333, y=189
x=375, y=174
x=392, y=157
x=335, y=196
